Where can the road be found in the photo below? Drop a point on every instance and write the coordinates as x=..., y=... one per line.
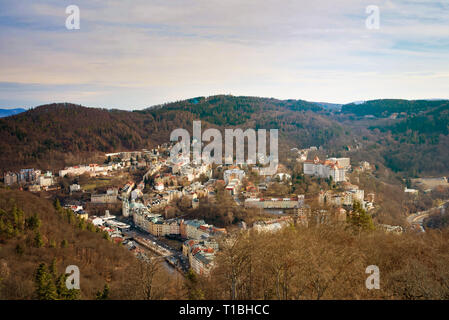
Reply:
x=162, y=249
x=417, y=219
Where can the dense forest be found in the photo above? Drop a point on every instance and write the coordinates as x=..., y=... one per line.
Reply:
x=329, y=262
x=414, y=143
x=38, y=240
x=59, y=134
x=386, y=107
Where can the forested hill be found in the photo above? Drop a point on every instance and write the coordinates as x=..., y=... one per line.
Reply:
x=411, y=137
x=386, y=107
x=229, y=110
x=415, y=142
x=58, y=131
x=55, y=135
x=33, y=231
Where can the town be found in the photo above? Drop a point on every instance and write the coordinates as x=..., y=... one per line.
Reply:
x=152, y=205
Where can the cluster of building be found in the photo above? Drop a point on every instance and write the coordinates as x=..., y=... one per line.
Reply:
x=106, y=223
x=274, y=203
x=109, y=197
x=200, y=247
x=92, y=169
x=155, y=224
x=201, y=254
x=153, y=210
x=109, y=224
x=334, y=168
x=35, y=179
x=347, y=197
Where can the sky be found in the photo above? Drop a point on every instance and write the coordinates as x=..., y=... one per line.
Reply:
x=138, y=53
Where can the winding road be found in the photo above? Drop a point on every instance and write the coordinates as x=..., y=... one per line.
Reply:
x=417, y=219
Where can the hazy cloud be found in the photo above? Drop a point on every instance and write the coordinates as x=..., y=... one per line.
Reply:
x=136, y=54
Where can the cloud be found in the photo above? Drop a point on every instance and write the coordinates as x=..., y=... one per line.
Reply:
x=150, y=52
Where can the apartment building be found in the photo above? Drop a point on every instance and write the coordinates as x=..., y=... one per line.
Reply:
x=330, y=168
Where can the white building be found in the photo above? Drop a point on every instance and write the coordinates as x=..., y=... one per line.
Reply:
x=97, y=221
x=45, y=180
x=325, y=169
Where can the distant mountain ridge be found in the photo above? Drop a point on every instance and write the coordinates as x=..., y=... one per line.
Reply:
x=52, y=136
x=55, y=135
x=10, y=112
x=386, y=107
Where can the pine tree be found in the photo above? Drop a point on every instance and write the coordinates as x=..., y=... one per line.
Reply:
x=106, y=235
x=359, y=219
x=15, y=215
x=9, y=229
x=33, y=222
x=81, y=224
x=38, y=242
x=54, y=268
x=57, y=205
x=63, y=292
x=19, y=249
x=103, y=295
x=195, y=293
x=64, y=243
x=45, y=287
x=70, y=217
x=90, y=227
x=20, y=220
x=52, y=244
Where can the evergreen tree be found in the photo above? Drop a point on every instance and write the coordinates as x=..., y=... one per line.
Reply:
x=57, y=205
x=63, y=292
x=195, y=293
x=45, y=288
x=81, y=224
x=19, y=249
x=52, y=244
x=106, y=236
x=90, y=227
x=54, y=268
x=359, y=219
x=103, y=295
x=33, y=222
x=64, y=243
x=70, y=216
x=38, y=242
x=15, y=216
